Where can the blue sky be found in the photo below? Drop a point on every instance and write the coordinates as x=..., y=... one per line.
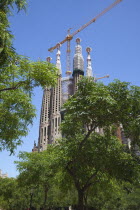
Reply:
x=114, y=39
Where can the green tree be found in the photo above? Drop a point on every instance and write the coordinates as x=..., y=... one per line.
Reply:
x=12, y=196
x=37, y=171
x=18, y=77
x=7, y=187
x=132, y=201
x=127, y=97
x=42, y=173
x=87, y=155
x=109, y=194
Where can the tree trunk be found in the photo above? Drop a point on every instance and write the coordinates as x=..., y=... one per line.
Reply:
x=85, y=200
x=80, y=200
x=45, y=197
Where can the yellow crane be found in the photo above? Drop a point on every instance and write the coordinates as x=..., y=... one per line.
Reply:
x=95, y=79
x=69, y=37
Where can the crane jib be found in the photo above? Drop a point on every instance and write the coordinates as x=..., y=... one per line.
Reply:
x=87, y=24
x=69, y=37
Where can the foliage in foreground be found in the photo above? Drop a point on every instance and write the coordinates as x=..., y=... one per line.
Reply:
x=18, y=77
x=23, y=192
x=91, y=147
x=88, y=167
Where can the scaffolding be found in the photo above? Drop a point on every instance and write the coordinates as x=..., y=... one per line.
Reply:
x=67, y=88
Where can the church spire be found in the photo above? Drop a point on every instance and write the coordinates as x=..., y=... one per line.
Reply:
x=89, y=67
x=58, y=62
x=78, y=64
x=78, y=61
x=48, y=59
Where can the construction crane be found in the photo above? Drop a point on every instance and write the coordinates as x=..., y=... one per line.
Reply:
x=95, y=79
x=69, y=36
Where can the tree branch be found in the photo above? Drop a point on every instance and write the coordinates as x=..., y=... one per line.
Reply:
x=73, y=175
x=87, y=135
x=88, y=183
x=15, y=87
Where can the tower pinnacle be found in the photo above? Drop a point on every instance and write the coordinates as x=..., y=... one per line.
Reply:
x=48, y=59
x=78, y=41
x=89, y=67
x=78, y=61
x=78, y=64
x=58, y=62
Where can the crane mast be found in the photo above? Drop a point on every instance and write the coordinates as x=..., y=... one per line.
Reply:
x=69, y=37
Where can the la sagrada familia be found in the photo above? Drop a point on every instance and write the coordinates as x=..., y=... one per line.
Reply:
x=55, y=97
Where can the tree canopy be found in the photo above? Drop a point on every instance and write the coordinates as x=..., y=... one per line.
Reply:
x=91, y=149
x=90, y=157
x=89, y=160
x=18, y=77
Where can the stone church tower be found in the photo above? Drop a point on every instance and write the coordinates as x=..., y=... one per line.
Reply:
x=52, y=112
x=78, y=64
x=50, y=117
x=54, y=97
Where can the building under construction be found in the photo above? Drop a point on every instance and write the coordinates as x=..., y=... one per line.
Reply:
x=55, y=97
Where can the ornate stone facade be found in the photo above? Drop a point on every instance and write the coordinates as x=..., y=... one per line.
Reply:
x=54, y=97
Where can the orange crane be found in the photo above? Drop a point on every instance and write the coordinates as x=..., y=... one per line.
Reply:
x=69, y=37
